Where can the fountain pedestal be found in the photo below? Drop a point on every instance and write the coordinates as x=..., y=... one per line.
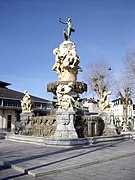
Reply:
x=24, y=117
x=65, y=124
x=109, y=128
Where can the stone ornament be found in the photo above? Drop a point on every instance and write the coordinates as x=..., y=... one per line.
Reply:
x=104, y=102
x=26, y=103
x=42, y=126
x=78, y=87
x=66, y=61
x=65, y=99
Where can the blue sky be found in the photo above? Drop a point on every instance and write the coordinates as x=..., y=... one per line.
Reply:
x=30, y=30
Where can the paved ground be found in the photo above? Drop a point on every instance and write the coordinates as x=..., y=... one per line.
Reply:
x=110, y=161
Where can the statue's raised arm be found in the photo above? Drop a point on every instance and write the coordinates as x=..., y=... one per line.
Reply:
x=62, y=21
x=69, y=29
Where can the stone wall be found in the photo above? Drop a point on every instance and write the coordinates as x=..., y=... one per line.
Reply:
x=40, y=126
x=45, y=126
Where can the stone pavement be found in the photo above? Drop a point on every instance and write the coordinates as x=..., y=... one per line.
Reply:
x=113, y=160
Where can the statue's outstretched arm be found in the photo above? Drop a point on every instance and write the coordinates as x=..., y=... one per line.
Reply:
x=62, y=21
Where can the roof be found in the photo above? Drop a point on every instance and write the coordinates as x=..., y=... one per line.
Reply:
x=6, y=93
x=4, y=84
x=92, y=101
x=15, y=95
x=116, y=99
x=120, y=99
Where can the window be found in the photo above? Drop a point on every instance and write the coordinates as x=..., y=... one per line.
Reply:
x=13, y=103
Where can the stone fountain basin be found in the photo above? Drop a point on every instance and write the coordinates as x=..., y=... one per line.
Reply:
x=78, y=87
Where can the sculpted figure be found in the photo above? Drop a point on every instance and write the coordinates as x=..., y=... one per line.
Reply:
x=65, y=99
x=69, y=29
x=66, y=58
x=57, y=64
x=74, y=57
x=71, y=59
x=66, y=61
x=59, y=93
x=26, y=102
x=104, y=102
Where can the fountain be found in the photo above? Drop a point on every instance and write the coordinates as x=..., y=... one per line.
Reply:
x=63, y=128
x=67, y=88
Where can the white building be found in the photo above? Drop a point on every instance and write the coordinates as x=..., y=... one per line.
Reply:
x=118, y=111
x=91, y=105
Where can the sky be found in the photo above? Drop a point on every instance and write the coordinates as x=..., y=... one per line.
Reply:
x=30, y=30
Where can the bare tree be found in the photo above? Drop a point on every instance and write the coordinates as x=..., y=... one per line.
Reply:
x=129, y=69
x=125, y=84
x=125, y=100
x=123, y=90
x=99, y=77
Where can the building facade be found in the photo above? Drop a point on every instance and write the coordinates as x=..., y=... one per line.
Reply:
x=10, y=106
x=90, y=105
x=119, y=111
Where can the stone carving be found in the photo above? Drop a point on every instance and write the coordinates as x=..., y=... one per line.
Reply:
x=69, y=29
x=40, y=126
x=78, y=87
x=109, y=128
x=65, y=124
x=66, y=61
x=104, y=102
x=64, y=95
x=26, y=103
